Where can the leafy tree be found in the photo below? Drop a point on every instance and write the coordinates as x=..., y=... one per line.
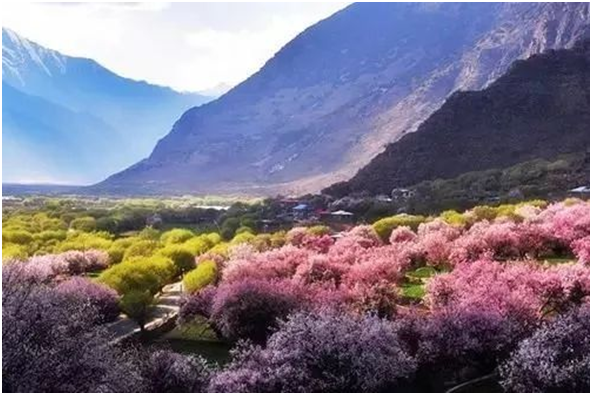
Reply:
x=85, y=224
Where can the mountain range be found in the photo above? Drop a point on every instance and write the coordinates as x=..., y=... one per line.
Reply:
x=539, y=109
x=334, y=97
x=69, y=119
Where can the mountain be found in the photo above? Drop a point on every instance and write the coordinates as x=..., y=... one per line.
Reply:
x=539, y=109
x=43, y=141
x=332, y=98
x=129, y=115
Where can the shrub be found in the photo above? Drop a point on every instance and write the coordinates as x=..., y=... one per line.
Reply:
x=385, y=226
x=555, y=359
x=50, y=344
x=115, y=254
x=176, y=236
x=204, y=274
x=167, y=371
x=213, y=238
x=249, y=309
x=139, y=274
x=13, y=251
x=17, y=237
x=79, y=262
x=182, y=258
x=319, y=230
x=104, y=299
x=244, y=229
x=142, y=248
x=197, y=245
x=480, y=213
x=136, y=304
x=455, y=218
x=84, y=224
x=85, y=241
x=460, y=344
x=244, y=237
x=322, y=352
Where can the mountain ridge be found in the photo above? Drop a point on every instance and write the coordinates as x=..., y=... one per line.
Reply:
x=134, y=114
x=522, y=116
x=332, y=98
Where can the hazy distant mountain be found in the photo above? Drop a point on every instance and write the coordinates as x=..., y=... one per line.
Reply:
x=332, y=98
x=43, y=141
x=539, y=109
x=130, y=115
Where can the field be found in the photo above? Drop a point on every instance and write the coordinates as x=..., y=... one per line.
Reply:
x=494, y=298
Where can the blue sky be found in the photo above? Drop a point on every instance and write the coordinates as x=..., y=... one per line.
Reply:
x=188, y=46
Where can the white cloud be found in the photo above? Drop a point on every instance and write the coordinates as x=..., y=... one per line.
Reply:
x=189, y=46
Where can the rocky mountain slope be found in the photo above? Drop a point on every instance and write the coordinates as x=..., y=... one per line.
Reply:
x=130, y=115
x=332, y=98
x=539, y=109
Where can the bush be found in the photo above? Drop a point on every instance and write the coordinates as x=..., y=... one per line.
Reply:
x=85, y=241
x=104, y=299
x=170, y=372
x=13, y=251
x=244, y=229
x=204, y=274
x=149, y=274
x=240, y=238
x=84, y=224
x=176, y=236
x=183, y=259
x=115, y=254
x=141, y=248
x=555, y=359
x=249, y=309
x=136, y=304
x=50, y=344
x=79, y=262
x=385, y=226
x=17, y=237
x=323, y=352
x=319, y=230
x=198, y=245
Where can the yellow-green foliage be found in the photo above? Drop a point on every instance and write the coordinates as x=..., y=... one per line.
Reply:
x=85, y=241
x=245, y=237
x=139, y=274
x=183, y=259
x=384, y=227
x=204, y=274
x=136, y=304
x=244, y=229
x=319, y=230
x=535, y=203
x=262, y=242
x=149, y=233
x=454, y=218
x=85, y=224
x=198, y=245
x=176, y=236
x=484, y=212
x=278, y=239
x=509, y=211
x=115, y=254
x=17, y=236
x=14, y=251
x=220, y=249
x=143, y=248
x=214, y=238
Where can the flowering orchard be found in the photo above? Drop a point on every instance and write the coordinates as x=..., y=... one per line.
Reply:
x=440, y=300
x=496, y=295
